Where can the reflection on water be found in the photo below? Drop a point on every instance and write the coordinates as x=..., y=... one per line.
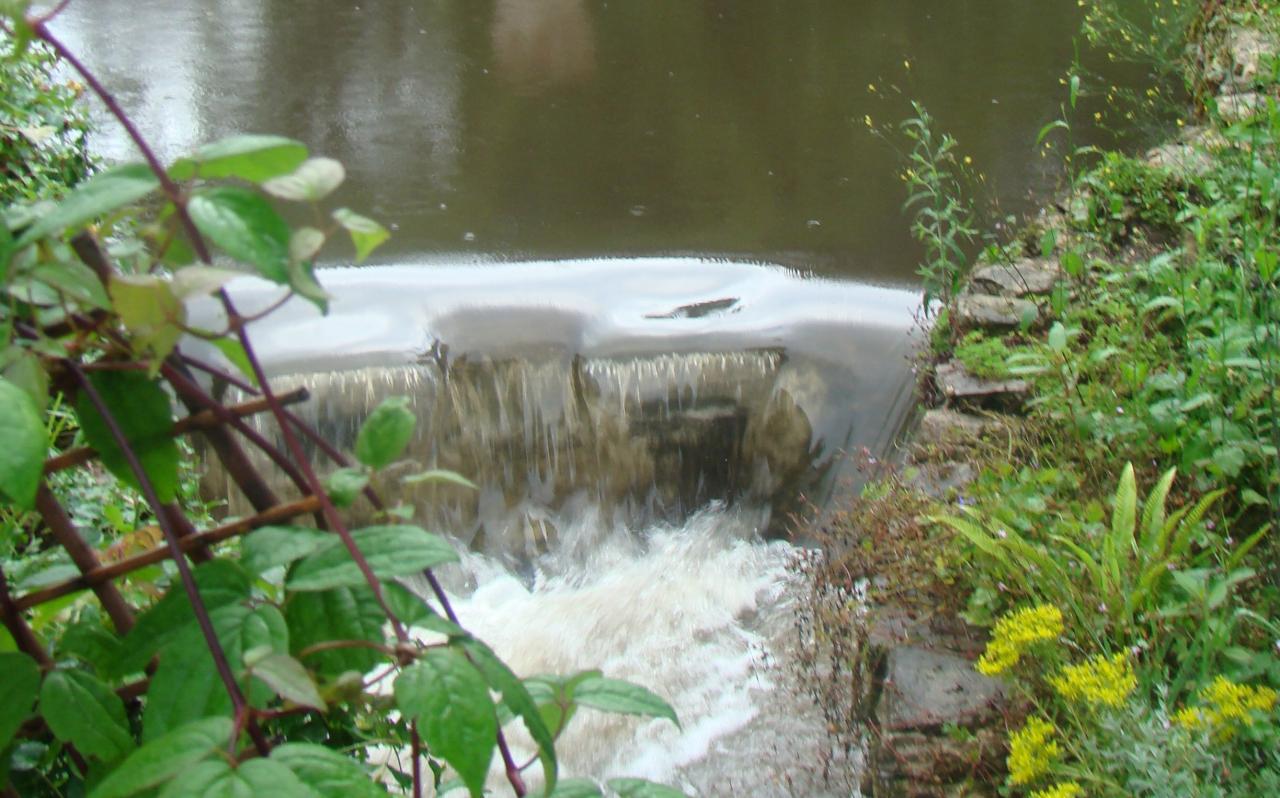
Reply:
x=554, y=128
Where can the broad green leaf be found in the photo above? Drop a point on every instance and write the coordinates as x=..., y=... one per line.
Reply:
x=234, y=352
x=254, y=778
x=639, y=788
x=302, y=279
x=24, y=369
x=1057, y=337
x=385, y=432
x=246, y=227
x=221, y=583
x=615, y=695
x=86, y=713
x=516, y=697
x=286, y=676
x=270, y=546
x=440, y=475
x=344, y=613
x=150, y=310
x=345, y=484
x=143, y=414
x=366, y=234
x=100, y=194
x=186, y=685
x=250, y=157
x=25, y=443
x=90, y=642
x=75, y=281
x=305, y=243
x=449, y=699
x=328, y=772
x=158, y=761
x=19, y=681
x=576, y=788
x=194, y=281
x=314, y=180
x=414, y=611
x=390, y=550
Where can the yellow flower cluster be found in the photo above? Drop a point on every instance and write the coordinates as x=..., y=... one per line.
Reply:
x=1015, y=632
x=1063, y=789
x=1031, y=751
x=1225, y=705
x=1101, y=680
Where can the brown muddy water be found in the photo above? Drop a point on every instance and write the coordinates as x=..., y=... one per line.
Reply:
x=649, y=283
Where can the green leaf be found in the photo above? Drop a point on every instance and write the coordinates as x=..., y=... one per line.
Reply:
x=576, y=788
x=314, y=180
x=90, y=642
x=24, y=369
x=286, y=676
x=639, y=788
x=249, y=157
x=440, y=475
x=86, y=713
x=1058, y=337
x=19, y=680
x=246, y=227
x=270, y=546
x=186, y=686
x=25, y=443
x=150, y=310
x=216, y=778
x=194, y=281
x=100, y=194
x=160, y=760
x=345, y=484
x=75, y=281
x=221, y=583
x=391, y=551
x=305, y=243
x=234, y=352
x=366, y=234
x=449, y=699
x=327, y=772
x=516, y=697
x=302, y=279
x=142, y=412
x=615, y=695
x=345, y=613
x=385, y=432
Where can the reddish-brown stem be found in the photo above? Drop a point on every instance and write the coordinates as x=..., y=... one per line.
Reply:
x=82, y=554
x=106, y=573
x=330, y=645
x=175, y=551
x=23, y=637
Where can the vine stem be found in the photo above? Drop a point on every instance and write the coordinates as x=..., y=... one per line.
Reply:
x=179, y=557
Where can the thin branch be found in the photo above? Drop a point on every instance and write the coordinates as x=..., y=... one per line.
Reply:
x=175, y=552
x=105, y=573
x=82, y=554
x=22, y=635
x=416, y=742
x=201, y=420
x=51, y=13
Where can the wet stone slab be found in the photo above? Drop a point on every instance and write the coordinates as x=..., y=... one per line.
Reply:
x=923, y=689
x=1026, y=277
x=972, y=311
x=963, y=388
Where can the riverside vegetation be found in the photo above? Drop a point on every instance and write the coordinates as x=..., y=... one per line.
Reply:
x=135, y=657
x=1116, y=535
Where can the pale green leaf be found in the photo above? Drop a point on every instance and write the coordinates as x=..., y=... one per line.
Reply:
x=100, y=194
x=160, y=760
x=270, y=546
x=398, y=550
x=250, y=157
x=615, y=695
x=327, y=772
x=285, y=675
x=366, y=234
x=386, y=432
x=253, y=778
x=25, y=443
x=314, y=180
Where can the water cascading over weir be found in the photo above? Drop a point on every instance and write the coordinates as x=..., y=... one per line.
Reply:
x=639, y=430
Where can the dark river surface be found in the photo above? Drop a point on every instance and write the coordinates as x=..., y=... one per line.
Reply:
x=534, y=129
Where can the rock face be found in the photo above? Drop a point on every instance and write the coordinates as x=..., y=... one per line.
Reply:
x=1027, y=277
x=961, y=387
x=935, y=718
x=971, y=311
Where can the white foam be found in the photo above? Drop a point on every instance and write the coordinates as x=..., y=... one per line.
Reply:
x=671, y=610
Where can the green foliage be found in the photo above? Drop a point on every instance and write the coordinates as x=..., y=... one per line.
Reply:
x=385, y=432
x=19, y=678
x=984, y=356
x=22, y=459
x=143, y=417
x=42, y=126
x=943, y=221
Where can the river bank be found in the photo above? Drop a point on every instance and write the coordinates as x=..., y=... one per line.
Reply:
x=1067, y=586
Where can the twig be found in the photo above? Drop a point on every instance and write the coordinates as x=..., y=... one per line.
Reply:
x=176, y=553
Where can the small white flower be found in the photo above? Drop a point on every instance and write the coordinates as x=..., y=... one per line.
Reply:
x=1002, y=534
